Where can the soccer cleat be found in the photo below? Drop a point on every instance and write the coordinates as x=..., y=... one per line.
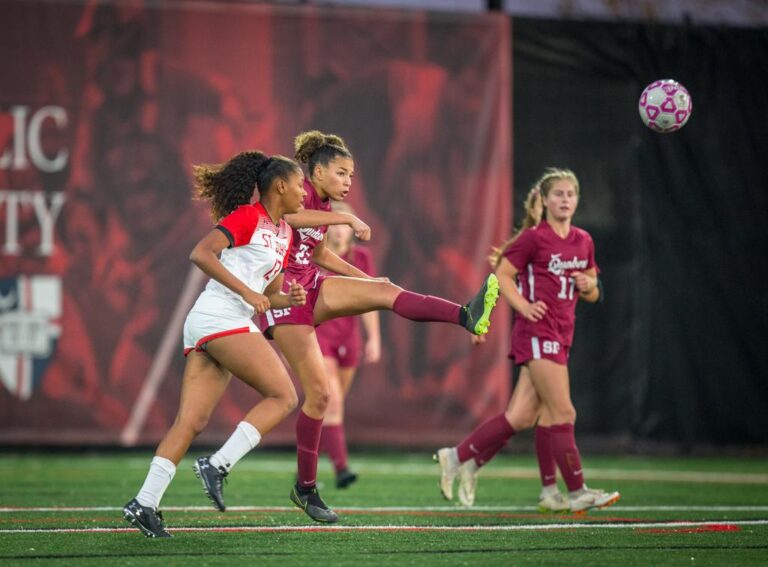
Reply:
x=468, y=472
x=592, y=498
x=212, y=479
x=148, y=520
x=478, y=310
x=345, y=478
x=313, y=505
x=556, y=503
x=448, y=470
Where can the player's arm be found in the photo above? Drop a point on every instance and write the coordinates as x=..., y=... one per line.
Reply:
x=331, y=262
x=587, y=284
x=313, y=218
x=278, y=300
x=205, y=255
x=507, y=274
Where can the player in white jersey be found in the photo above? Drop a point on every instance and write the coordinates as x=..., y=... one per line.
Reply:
x=244, y=255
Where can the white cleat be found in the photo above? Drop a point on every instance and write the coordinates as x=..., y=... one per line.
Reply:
x=468, y=472
x=554, y=503
x=593, y=498
x=448, y=470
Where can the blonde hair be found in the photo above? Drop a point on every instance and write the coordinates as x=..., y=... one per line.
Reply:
x=540, y=190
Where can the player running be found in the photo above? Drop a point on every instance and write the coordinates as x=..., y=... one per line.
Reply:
x=244, y=255
x=331, y=167
x=549, y=261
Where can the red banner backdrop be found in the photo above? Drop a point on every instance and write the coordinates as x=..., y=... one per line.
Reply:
x=103, y=109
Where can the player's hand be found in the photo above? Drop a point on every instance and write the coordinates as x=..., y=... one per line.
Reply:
x=534, y=311
x=258, y=301
x=362, y=230
x=372, y=351
x=584, y=283
x=477, y=339
x=298, y=295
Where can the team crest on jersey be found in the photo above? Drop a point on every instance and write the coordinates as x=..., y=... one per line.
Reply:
x=558, y=266
x=30, y=312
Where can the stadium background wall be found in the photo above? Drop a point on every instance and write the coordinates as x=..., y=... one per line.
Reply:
x=100, y=121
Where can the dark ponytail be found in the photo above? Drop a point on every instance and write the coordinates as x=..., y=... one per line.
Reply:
x=227, y=186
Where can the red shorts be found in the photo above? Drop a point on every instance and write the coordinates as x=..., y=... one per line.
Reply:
x=536, y=348
x=346, y=352
x=295, y=315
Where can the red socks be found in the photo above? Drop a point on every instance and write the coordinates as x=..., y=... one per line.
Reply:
x=333, y=442
x=487, y=440
x=545, y=456
x=566, y=454
x=307, y=441
x=417, y=307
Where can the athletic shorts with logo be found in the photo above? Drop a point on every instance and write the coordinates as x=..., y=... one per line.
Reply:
x=550, y=347
x=296, y=314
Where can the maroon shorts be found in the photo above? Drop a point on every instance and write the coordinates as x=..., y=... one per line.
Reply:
x=346, y=352
x=295, y=315
x=525, y=349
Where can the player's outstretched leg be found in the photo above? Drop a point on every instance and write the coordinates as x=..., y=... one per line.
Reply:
x=449, y=468
x=476, y=314
x=213, y=481
x=308, y=499
x=148, y=520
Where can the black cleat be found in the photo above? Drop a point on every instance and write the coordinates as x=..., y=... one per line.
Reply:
x=313, y=505
x=478, y=311
x=345, y=478
x=148, y=520
x=212, y=479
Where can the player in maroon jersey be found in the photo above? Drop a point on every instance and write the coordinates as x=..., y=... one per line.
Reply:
x=353, y=292
x=341, y=343
x=243, y=255
x=548, y=261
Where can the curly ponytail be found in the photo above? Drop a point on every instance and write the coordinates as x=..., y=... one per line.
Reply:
x=227, y=186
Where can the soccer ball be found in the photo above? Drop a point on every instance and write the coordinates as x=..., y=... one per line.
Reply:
x=665, y=106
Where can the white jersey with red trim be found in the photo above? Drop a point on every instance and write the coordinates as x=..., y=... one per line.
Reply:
x=257, y=253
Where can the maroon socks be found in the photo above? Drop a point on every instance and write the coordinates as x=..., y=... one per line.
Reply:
x=333, y=442
x=307, y=442
x=563, y=444
x=545, y=456
x=417, y=307
x=485, y=441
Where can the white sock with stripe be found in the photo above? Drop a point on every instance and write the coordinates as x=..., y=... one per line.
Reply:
x=159, y=477
x=243, y=440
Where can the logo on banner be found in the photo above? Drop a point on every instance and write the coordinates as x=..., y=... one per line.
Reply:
x=30, y=314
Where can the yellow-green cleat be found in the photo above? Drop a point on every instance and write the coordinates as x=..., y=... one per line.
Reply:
x=478, y=310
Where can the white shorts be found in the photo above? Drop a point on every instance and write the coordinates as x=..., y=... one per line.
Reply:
x=214, y=316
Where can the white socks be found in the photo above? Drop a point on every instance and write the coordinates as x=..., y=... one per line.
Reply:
x=245, y=438
x=549, y=490
x=159, y=477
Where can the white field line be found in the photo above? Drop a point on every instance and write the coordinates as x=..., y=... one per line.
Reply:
x=387, y=509
x=389, y=528
x=256, y=464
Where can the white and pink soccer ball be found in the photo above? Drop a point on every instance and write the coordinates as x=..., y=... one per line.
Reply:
x=665, y=106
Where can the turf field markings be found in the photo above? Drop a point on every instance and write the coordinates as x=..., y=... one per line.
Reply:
x=430, y=469
x=389, y=528
x=390, y=509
